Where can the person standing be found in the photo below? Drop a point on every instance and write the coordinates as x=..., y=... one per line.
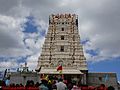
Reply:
x=43, y=85
x=60, y=85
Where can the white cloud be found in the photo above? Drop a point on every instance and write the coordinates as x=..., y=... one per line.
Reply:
x=11, y=37
x=36, y=49
x=9, y=64
x=32, y=61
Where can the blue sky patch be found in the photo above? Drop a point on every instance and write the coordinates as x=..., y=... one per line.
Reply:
x=22, y=59
x=2, y=59
x=93, y=52
x=84, y=41
x=42, y=33
x=30, y=26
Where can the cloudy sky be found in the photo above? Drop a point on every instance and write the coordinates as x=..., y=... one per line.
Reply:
x=24, y=23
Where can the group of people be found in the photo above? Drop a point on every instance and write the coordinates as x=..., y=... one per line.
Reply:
x=55, y=84
x=61, y=85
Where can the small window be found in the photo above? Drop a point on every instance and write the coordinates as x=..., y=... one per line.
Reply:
x=51, y=38
x=50, y=58
x=62, y=37
x=62, y=49
x=62, y=22
x=74, y=38
x=62, y=29
x=100, y=78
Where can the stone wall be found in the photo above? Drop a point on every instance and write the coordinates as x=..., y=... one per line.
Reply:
x=109, y=79
x=93, y=79
x=18, y=77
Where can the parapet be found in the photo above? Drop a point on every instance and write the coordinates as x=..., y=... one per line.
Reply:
x=58, y=16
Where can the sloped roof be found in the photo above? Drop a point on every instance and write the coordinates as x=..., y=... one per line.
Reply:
x=64, y=71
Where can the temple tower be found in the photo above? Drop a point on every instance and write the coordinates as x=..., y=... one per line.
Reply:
x=62, y=46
